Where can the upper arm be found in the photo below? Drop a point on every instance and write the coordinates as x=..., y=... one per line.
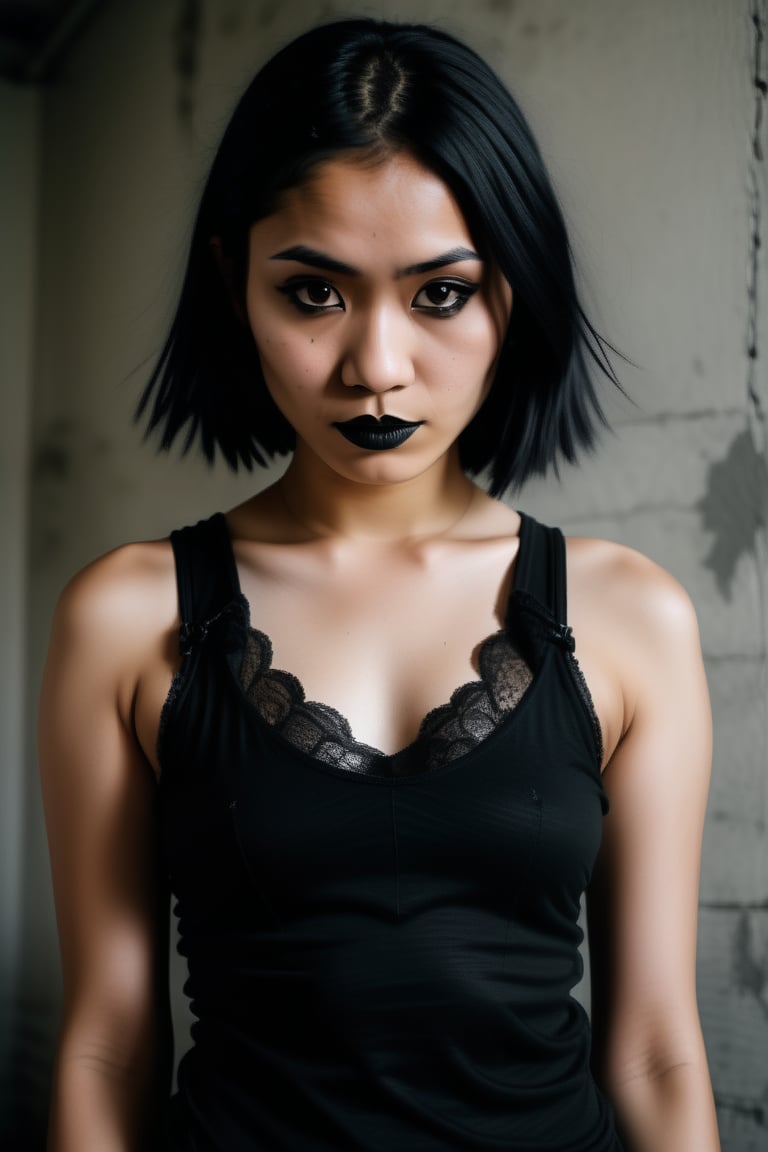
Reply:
x=643, y=900
x=99, y=795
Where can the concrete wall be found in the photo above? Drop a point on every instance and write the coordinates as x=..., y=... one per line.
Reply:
x=647, y=114
x=19, y=135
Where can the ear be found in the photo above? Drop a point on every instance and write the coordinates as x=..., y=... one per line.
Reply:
x=226, y=267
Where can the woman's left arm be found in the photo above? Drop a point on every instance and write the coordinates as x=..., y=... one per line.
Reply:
x=642, y=904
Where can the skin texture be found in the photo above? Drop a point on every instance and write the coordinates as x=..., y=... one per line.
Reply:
x=382, y=559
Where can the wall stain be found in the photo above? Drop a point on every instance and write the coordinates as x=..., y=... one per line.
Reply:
x=230, y=19
x=756, y=177
x=186, y=57
x=754, y=1110
x=52, y=457
x=750, y=971
x=51, y=462
x=734, y=508
x=750, y=974
x=268, y=14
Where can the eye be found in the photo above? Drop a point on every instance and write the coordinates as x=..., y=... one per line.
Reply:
x=312, y=295
x=444, y=297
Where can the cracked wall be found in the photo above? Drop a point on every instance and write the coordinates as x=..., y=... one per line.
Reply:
x=652, y=118
x=695, y=497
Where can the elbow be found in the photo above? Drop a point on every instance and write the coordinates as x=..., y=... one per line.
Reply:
x=664, y=1102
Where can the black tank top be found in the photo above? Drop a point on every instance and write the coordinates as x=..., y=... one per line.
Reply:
x=381, y=949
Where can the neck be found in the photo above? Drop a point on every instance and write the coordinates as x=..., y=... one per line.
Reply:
x=328, y=505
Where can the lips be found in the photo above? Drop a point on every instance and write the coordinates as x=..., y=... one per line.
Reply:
x=377, y=435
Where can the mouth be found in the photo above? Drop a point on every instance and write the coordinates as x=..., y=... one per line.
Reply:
x=377, y=435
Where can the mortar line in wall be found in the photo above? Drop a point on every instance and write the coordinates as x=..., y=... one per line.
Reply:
x=734, y=657
x=752, y=1109
x=692, y=415
x=734, y=905
x=647, y=506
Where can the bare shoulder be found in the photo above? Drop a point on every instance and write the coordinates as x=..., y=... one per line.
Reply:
x=119, y=604
x=124, y=578
x=636, y=632
x=630, y=590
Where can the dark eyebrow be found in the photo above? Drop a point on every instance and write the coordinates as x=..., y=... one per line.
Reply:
x=315, y=259
x=453, y=256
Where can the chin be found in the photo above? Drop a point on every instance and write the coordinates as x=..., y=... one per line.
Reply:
x=381, y=469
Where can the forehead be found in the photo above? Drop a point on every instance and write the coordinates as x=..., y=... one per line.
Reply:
x=388, y=204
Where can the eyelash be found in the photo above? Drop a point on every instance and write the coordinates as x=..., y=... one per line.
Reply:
x=462, y=289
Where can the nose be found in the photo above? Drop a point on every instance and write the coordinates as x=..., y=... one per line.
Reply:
x=379, y=353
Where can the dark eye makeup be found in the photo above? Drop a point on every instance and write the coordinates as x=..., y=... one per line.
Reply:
x=311, y=295
x=444, y=297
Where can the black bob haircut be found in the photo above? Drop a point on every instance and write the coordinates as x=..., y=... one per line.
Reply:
x=377, y=88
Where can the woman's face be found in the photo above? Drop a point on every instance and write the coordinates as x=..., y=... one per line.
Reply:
x=367, y=300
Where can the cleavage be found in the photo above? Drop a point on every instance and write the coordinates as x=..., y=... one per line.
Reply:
x=383, y=645
x=448, y=732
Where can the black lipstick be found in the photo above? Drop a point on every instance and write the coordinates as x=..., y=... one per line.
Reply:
x=377, y=435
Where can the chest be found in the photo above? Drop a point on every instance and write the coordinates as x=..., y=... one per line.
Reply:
x=316, y=834
x=382, y=643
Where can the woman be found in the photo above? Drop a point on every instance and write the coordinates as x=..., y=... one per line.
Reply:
x=378, y=875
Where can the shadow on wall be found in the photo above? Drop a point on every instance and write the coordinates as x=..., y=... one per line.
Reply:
x=26, y=1075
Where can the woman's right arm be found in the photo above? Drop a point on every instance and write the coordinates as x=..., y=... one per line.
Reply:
x=99, y=791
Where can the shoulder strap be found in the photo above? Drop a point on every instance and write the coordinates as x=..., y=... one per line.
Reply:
x=540, y=568
x=206, y=575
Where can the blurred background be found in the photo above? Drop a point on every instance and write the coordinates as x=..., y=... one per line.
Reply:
x=652, y=117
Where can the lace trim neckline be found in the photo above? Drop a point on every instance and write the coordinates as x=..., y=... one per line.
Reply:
x=448, y=731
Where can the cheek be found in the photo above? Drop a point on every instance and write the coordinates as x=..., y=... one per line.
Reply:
x=482, y=349
x=285, y=359
x=474, y=351
x=291, y=364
